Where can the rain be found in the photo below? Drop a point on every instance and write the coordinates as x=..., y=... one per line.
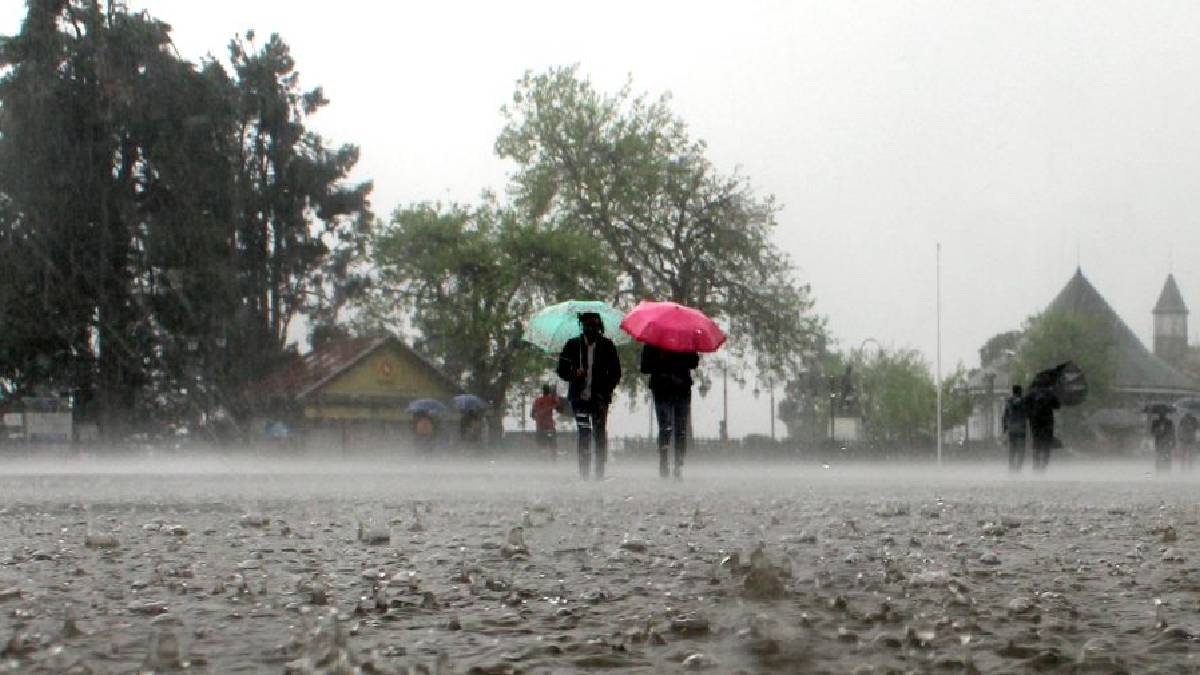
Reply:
x=653, y=338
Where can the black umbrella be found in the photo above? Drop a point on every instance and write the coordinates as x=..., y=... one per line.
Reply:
x=1157, y=408
x=1067, y=381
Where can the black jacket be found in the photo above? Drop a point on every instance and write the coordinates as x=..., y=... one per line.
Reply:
x=1014, y=415
x=1040, y=405
x=670, y=372
x=606, y=366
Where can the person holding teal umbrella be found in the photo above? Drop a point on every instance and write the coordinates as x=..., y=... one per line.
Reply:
x=590, y=365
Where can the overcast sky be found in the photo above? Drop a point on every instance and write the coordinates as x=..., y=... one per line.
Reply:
x=1025, y=137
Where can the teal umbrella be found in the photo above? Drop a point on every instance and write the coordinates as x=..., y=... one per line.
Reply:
x=552, y=326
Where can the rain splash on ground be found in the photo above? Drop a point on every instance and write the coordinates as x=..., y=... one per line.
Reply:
x=276, y=566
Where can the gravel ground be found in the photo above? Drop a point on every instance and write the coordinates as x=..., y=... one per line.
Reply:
x=271, y=566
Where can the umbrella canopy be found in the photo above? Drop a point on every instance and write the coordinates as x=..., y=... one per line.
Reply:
x=1156, y=408
x=470, y=403
x=552, y=326
x=1188, y=404
x=1068, y=381
x=427, y=406
x=674, y=327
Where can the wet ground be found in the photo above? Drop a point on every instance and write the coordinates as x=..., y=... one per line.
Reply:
x=235, y=566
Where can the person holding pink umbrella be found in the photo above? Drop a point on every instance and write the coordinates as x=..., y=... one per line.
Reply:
x=671, y=384
x=672, y=335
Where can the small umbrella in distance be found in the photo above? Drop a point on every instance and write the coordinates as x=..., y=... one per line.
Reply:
x=1157, y=408
x=470, y=403
x=426, y=406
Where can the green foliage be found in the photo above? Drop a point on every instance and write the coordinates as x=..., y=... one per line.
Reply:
x=467, y=277
x=1055, y=337
x=899, y=397
x=956, y=401
x=622, y=171
x=805, y=405
x=156, y=215
x=999, y=345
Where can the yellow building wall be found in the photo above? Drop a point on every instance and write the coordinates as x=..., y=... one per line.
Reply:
x=381, y=385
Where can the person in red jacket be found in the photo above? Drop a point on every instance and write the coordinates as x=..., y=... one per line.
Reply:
x=542, y=413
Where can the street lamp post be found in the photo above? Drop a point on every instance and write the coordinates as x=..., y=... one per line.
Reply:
x=832, y=399
x=724, y=402
x=989, y=401
x=772, y=386
x=938, y=378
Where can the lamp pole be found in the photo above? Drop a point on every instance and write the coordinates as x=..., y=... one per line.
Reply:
x=772, y=386
x=725, y=400
x=939, y=352
x=832, y=398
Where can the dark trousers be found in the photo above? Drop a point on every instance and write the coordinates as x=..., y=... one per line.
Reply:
x=547, y=439
x=672, y=413
x=1016, y=451
x=1042, y=443
x=591, y=418
x=1162, y=456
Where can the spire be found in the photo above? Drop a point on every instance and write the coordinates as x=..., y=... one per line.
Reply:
x=1170, y=301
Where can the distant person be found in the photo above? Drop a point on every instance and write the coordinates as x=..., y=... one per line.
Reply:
x=1040, y=404
x=671, y=384
x=1015, y=424
x=542, y=413
x=1163, y=431
x=591, y=366
x=424, y=429
x=470, y=430
x=1187, y=440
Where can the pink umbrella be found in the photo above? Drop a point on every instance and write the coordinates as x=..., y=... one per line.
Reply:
x=673, y=327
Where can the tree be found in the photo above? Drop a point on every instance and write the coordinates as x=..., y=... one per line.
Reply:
x=83, y=144
x=466, y=278
x=1054, y=337
x=157, y=216
x=999, y=345
x=956, y=400
x=622, y=171
x=899, y=397
x=290, y=201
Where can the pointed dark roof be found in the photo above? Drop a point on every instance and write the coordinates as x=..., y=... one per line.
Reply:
x=1138, y=371
x=1170, y=301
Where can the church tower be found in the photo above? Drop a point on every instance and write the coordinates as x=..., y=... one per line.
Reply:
x=1170, y=324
